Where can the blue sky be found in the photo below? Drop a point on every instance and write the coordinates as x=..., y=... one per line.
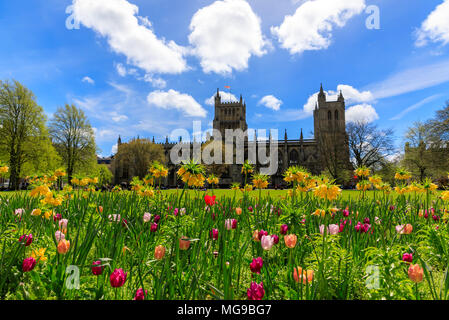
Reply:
x=147, y=67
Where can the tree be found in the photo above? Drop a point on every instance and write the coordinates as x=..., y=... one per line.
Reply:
x=424, y=152
x=439, y=125
x=368, y=145
x=104, y=175
x=134, y=158
x=73, y=138
x=22, y=123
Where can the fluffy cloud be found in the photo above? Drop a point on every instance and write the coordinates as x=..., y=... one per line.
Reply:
x=361, y=113
x=88, y=80
x=130, y=35
x=172, y=99
x=351, y=95
x=225, y=96
x=436, y=27
x=271, y=102
x=224, y=35
x=310, y=27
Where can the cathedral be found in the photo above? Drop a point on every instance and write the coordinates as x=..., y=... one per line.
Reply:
x=330, y=142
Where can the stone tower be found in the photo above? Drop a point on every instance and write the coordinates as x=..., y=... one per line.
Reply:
x=229, y=115
x=330, y=128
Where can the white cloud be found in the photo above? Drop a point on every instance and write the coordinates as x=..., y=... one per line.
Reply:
x=121, y=70
x=271, y=102
x=351, y=95
x=114, y=149
x=412, y=79
x=172, y=99
x=436, y=27
x=118, y=117
x=155, y=82
x=225, y=96
x=224, y=36
x=310, y=27
x=361, y=113
x=415, y=106
x=88, y=80
x=117, y=21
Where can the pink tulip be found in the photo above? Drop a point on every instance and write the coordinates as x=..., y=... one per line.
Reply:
x=153, y=227
x=146, y=217
x=267, y=242
x=59, y=235
x=407, y=257
x=214, y=234
x=63, y=223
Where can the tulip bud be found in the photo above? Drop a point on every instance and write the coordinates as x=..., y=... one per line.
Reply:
x=140, y=295
x=284, y=229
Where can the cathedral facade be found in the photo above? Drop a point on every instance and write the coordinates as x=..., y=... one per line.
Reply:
x=330, y=141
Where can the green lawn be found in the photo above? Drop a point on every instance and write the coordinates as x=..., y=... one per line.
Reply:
x=346, y=194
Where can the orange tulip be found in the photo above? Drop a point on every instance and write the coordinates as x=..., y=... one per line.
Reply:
x=184, y=244
x=256, y=236
x=238, y=211
x=290, y=240
x=306, y=276
x=415, y=273
x=159, y=252
x=63, y=246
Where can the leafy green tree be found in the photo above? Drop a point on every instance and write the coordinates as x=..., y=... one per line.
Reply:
x=104, y=175
x=73, y=138
x=424, y=153
x=134, y=158
x=22, y=123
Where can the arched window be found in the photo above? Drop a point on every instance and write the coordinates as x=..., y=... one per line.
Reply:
x=329, y=115
x=294, y=157
x=281, y=158
x=336, y=114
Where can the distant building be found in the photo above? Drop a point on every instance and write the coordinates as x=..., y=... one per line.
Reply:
x=330, y=137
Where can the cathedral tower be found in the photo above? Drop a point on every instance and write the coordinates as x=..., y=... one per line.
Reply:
x=229, y=115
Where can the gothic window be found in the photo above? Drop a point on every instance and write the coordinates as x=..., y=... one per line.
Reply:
x=294, y=157
x=281, y=158
x=329, y=115
x=336, y=114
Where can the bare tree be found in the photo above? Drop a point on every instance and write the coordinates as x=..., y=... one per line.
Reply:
x=368, y=145
x=73, y=137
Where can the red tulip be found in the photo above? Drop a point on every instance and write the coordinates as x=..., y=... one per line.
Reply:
x=28, y=264
x=118, y=278
x=140, y=295
x=97, y=270
x=255, y=291
x=256, y=265
x=27, y=239
x=210, y=200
